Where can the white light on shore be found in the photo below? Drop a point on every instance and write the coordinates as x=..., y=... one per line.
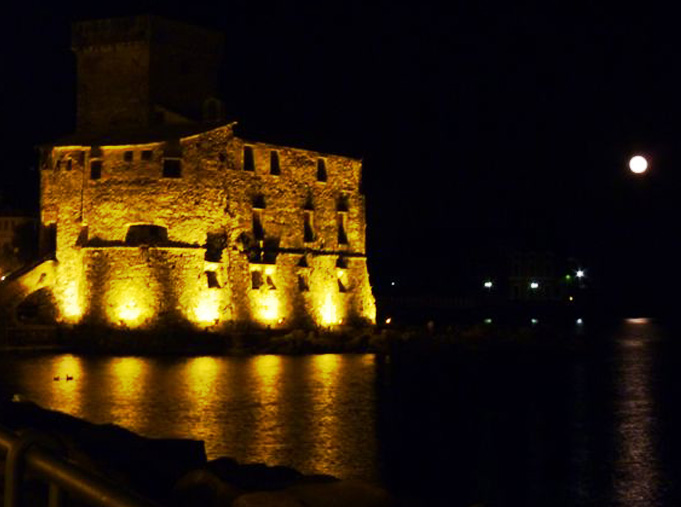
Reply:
x=534, y=285
x=638, y=164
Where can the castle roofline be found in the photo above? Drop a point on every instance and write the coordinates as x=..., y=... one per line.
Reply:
x=169, y=133
x=145, y=136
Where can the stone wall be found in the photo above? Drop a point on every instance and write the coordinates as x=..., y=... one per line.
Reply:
x=234, y=248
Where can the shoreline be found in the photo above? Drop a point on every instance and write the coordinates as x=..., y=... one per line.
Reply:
x=385, y=340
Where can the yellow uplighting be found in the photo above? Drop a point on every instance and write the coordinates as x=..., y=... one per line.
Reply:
x=72, y=308
x=207, y=309
x=329, y=311
x=129, y=312
x=269, y=307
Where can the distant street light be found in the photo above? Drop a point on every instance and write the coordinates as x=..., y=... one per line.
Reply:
x=488, y=284
x=534, y=285
x=638, y=164
x=579, y=273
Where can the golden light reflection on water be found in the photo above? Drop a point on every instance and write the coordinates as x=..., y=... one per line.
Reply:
x=268, y=421
x=326, y=423
x=66, y=395
x=311, y=412
x=201, y=374
x=126, y=384
x=197, y=386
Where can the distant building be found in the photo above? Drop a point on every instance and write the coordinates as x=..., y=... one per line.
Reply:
x=16, y=233
x=156, y=213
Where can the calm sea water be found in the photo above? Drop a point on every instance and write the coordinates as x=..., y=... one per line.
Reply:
x=595, y=428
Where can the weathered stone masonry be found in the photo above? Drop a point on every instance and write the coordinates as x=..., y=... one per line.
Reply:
x=185, y=223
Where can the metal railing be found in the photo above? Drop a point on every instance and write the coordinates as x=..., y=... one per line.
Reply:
x=30, y=451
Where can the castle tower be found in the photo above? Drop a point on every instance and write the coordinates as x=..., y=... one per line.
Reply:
x=139, y=72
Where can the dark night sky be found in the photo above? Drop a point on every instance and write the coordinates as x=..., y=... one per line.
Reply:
x=481, y=124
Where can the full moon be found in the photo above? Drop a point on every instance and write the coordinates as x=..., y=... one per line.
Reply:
x=638, y=164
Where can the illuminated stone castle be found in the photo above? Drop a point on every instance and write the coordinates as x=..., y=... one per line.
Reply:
x=158, y=214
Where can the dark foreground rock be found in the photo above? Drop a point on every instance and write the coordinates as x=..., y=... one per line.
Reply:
x=176, y=472
x=145, y=465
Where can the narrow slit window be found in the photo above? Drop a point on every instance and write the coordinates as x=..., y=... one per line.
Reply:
x=343, y=203
x=341, y=286
x=321, y=170
x=258, y=231
x=69, y=164
x=308, y=228
x=303, y=286
x=147, y=155
x=95, y=169
x=256, y=280
x=249, y=159
x=342, y=234
x=212, y=278
x=172, y=168
x=275, y=168
x=127, y=156
x=259, y=201
x=270, y=283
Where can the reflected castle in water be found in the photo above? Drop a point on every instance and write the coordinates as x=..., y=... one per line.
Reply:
x=154, y=213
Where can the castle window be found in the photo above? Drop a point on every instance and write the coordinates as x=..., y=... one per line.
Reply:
x=270, y=283
x=309, y=205
x=341, y=287
x=57, y=165
x=256, y=280
x=308, y=229
x=146, y=234
x=342, y=235
x=342, y=203
x=303, y=286
x=212, y=278
x=274, y=163
x=222, y=157
x=95, y=169
x=127, y=156
x=69, y=164
x=302, y=263
x=147, y=155
x=342, y=263
x=258, y=231
x=172, y=168
x=249, y=160
x=321, y=169
x=259, y=201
